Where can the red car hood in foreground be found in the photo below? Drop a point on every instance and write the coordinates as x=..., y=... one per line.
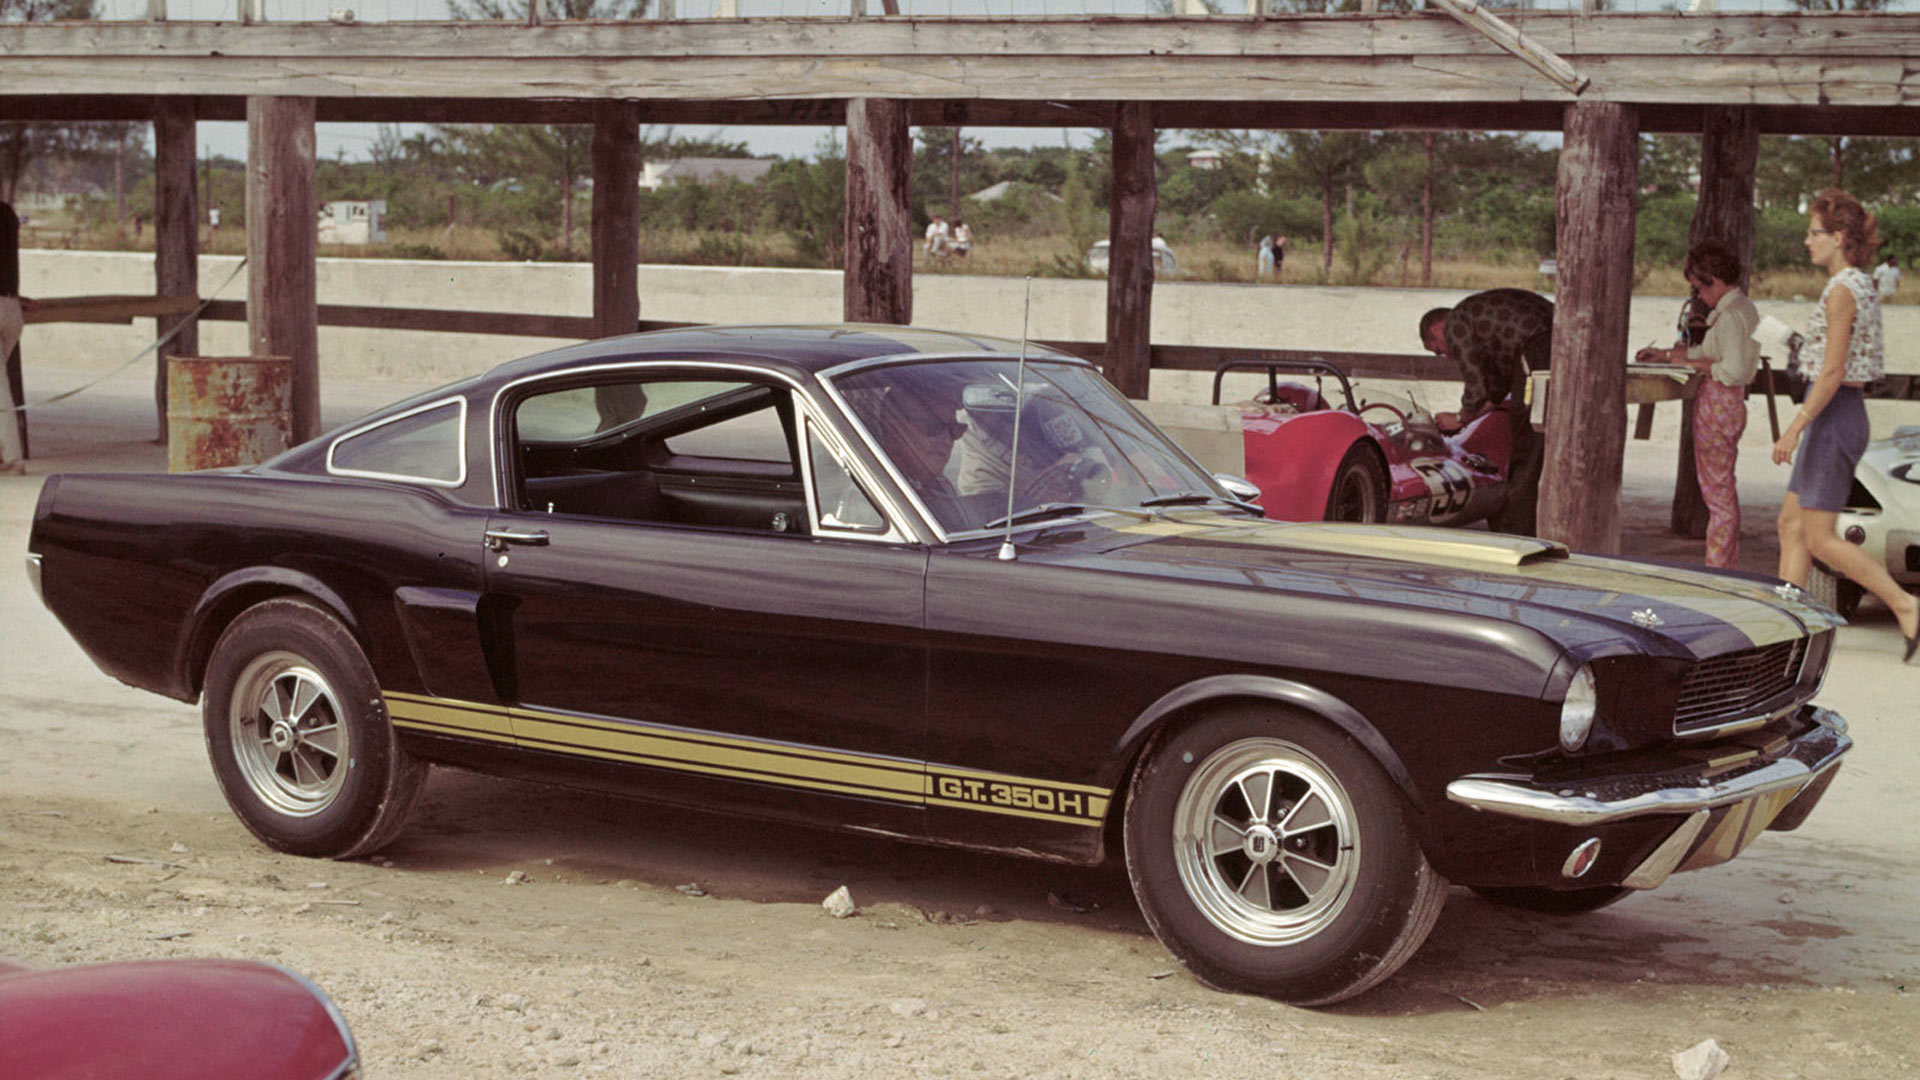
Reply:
x=168, y=1019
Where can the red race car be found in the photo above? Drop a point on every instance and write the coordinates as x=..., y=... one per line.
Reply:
x=170, y=1020
x=1370, y=461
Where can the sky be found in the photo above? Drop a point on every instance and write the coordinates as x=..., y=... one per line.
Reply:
x=354, y=142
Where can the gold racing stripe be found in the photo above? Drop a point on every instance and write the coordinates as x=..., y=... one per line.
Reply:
x=439, y=716
x=865, y=775
x=1765, y=617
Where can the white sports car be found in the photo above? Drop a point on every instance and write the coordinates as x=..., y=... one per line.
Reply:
x=1882, y=516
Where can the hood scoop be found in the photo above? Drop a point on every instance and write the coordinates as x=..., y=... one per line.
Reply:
x=1409, y=543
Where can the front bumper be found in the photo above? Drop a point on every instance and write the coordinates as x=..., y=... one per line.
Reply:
x=1720, y=798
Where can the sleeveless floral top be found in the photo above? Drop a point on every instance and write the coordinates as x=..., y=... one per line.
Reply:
x=1866, y=350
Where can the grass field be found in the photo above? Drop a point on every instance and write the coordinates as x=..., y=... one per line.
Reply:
x=1009, y=256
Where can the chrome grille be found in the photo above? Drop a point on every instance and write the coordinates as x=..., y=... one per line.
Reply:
x=1736, y=685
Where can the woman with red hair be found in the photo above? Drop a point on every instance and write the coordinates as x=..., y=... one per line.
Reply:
x=1844, y=331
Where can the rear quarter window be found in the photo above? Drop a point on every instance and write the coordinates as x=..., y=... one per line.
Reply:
x=426, y=445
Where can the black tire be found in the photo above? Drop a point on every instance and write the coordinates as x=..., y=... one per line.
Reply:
x=299, y=738
x=1555, y=901
x=1328, y=892
x=1359, y=491
x=1839, y=593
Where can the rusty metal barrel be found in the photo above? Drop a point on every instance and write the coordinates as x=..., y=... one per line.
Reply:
x=234, y=410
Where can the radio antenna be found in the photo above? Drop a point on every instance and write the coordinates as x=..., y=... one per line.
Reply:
x=1007, y=553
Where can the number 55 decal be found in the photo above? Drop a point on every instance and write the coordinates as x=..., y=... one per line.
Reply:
x=1450, y=483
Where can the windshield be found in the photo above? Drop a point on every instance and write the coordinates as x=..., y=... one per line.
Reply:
x=948, y=428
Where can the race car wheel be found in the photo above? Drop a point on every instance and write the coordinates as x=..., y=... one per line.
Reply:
x=1841, y=594
x=1359, y=488
x=1271, y=854
x=299, y=738
x=1555, y=901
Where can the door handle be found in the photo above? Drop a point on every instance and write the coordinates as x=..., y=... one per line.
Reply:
x=498, y=539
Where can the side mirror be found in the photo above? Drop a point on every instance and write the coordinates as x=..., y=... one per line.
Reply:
x=1237, y=486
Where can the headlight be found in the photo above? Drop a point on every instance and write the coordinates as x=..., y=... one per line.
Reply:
x=1576, y=713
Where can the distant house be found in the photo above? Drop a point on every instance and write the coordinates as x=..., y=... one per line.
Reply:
x=1205, y=160
x=657, y=174
x=1001, y=190
x=354, y=222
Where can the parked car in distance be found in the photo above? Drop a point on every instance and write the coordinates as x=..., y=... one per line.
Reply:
x=1882, y=516
x=170, y=1020
x=1165, y=264
x=952, y=589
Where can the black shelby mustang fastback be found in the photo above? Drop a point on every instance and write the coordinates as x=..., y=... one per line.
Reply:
x=761, y=570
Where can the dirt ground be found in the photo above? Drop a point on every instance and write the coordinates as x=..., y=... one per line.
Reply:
x=525, y=930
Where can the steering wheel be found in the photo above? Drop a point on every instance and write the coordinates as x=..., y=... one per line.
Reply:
x=1066, y=480
x=1394, y=409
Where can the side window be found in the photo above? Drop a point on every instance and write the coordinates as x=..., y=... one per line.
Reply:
x=660, y=447
x=839, y=499
x=427, y=445
x=756, y=436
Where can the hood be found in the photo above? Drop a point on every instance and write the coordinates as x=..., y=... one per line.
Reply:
x=1593, y=603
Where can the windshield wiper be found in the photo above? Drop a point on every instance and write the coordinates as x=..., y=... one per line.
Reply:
x=1036, y=513
x=1196, y=498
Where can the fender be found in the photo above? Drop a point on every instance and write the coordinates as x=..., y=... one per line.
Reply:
x=1293, y=460
x=232, y=593
x=1299, y=695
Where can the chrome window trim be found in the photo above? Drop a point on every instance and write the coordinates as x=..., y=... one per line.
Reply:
x=810, y=426
x=459, y=401
x=806, y=408
x=33, y=575
x=1048, y=356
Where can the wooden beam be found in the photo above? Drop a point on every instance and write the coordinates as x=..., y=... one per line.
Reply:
x=281, y=242
x=176, y=234
x=13, y=423
x=437, y=320
x=878, y=283
x=1814, y=60
x=1130, y=251
x=1729, y=156
x=1587, y=412
x=616, y=218
x=1504, y=34
x=109, y=308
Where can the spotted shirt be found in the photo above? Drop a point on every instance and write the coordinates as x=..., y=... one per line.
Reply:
x=1866, y=348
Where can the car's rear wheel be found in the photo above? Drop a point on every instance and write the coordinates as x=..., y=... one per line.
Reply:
x=1271, y=854
x=1841, y=594
x=1555, y=901
x=298, y=737
x=1359, y=491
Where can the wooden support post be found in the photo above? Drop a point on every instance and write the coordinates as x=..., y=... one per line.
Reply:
x=616, y=218
x=176, y=234
x=1130, y=250
x=10, y=362
x=1729, y=156
x=1587, y=411
x=282, y=240
x=878, y=283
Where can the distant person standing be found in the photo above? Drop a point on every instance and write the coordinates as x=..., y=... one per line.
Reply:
x=1886, y=277
x=1279, y=257
x=1264, y=265
x=1729, y=357
x=1844, y=331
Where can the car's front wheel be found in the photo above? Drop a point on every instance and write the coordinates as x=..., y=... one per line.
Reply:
x=1359, y=491
x=299, y=740
x=1271, y=854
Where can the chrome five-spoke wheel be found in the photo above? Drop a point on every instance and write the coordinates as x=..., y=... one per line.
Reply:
x=1271, y=852
x=287, y=736
x=1266, y=842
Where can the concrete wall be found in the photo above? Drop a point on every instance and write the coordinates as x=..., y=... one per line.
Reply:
x=1184, y=313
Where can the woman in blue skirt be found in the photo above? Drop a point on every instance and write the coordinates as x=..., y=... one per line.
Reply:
x=1844, y=330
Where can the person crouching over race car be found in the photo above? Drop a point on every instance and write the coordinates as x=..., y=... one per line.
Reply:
x=1496, y=338
x=1729, y=357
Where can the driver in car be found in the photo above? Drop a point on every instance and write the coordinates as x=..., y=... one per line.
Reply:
x=1057, y=459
